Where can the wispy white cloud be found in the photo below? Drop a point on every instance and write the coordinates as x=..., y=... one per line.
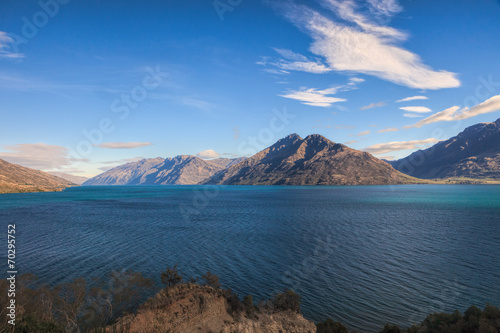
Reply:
x=363, y=46
x=196, y=103
x=6, y=50
x=292, y=61
x=412, y=98
x=208, y=154
x=123, y=161
x=385, y=7
x=418, y=109
x=412, y=115
x=124, y=145
x=304, y=66
x=37, y=155
x=322, y=98
x=351, y=142
x=457, y=113
x=363, y=133
x=314, y=97
x=183, y=99
x=345, y=127
x=373, y=105
x=276, y=71
x=288, y=54
x=355, y=80
x=387, y=130
x=384, y=148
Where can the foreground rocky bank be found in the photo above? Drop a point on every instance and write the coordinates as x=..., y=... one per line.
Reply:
x=117, y=303
x=196, y=308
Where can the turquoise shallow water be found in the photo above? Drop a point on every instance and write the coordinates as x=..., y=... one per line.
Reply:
x=362, y=255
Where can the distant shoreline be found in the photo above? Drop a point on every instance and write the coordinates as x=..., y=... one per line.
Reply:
x=452, y=181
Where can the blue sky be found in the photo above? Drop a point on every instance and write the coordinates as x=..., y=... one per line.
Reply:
x=87, y=85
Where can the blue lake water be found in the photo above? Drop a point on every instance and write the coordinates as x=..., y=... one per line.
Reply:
x=362, y=255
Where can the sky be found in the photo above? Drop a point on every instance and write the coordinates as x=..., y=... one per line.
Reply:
x=89, y=85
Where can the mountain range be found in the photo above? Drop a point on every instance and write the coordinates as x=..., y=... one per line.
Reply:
x=15, y=178
x=473, y=153
x=78, y=180
x=314, y=160
x=179, y=170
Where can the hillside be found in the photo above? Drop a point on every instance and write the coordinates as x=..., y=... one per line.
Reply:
x=15, y=179
x=473, y=153
x=314, y=160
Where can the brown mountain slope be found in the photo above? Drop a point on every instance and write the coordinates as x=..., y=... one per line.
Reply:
x=15, y=179
x=314, y=160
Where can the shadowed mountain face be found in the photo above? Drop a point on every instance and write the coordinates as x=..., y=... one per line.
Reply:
x=15, y=178
x=179, y=170
x=314, y=160
x=474, y=153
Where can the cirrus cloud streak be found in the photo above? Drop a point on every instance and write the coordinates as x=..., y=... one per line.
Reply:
x=384, y=148
x=124, y=145
x=456, y=113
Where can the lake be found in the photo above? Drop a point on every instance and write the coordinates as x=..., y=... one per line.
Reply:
x=362, y=255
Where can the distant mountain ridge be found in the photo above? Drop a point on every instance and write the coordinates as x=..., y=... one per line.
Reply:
x=473, y=153
x=15, y=179
x=314, y=160
x=179, y=170
x=71, y=178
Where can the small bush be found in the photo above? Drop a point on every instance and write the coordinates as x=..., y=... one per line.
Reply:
x=388, y=328
x=171, y=277
x=330, y=326
x=289, y=300
x=30, y=324
x=211, y=280
x=248, y=303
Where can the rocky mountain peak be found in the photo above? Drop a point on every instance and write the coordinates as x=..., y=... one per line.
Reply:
x=314, y=160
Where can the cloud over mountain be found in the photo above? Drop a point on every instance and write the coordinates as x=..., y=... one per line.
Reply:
x=384, y=148
x=456, y=113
